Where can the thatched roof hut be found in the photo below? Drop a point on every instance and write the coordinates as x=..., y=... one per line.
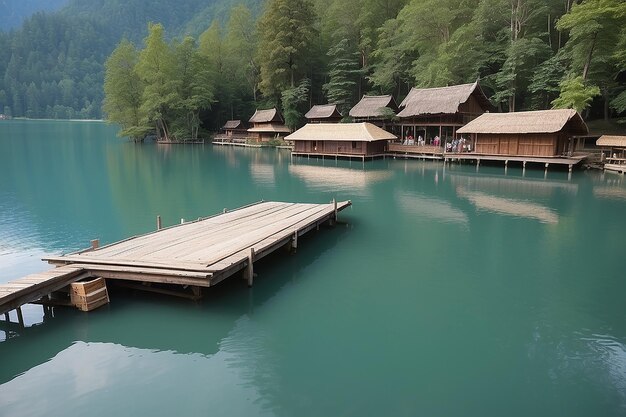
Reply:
x=342, y=139
x=610, y=141
x=544, y=133
x=266, y=116
x=442, y=100
x=232, y=125
x=267, y=125
x=323, y=113
x=524, y=122
x=374, y=107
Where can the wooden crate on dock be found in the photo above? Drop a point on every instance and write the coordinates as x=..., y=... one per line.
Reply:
x=89, y=295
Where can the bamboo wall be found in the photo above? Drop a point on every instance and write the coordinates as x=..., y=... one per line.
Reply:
x=548, y=144
x=339, y=147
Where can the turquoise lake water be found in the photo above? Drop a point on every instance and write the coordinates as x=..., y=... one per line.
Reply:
x=447, y=292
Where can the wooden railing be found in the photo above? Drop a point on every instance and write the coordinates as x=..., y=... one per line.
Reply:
x=416, y=149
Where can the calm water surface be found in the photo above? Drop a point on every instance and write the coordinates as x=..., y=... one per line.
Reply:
x=448, y=293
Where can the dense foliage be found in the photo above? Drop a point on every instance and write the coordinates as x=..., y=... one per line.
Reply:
x=528, y=54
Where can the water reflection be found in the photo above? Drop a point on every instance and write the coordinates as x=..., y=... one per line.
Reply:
x=431, y=208
x=263, y=174
x=103, y=379
x=340, y=179
x=518, y=187
x=508, y=206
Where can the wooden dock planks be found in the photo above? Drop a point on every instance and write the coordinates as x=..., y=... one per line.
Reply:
x=32, y=287
x=200, y=253
x=194, y=253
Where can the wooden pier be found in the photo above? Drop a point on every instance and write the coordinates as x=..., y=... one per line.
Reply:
x=194, y=254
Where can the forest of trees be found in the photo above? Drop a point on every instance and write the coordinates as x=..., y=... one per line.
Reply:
x=528, y=54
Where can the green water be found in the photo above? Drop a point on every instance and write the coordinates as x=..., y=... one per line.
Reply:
x=450, y=292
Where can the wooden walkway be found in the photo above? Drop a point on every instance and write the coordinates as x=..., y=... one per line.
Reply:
x=32, y=287
x=200, y=253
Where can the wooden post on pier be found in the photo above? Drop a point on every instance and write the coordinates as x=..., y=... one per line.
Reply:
x=20, y=317
x=158, y=222
x=95, y=244
x=250, y=268
x=294, y=241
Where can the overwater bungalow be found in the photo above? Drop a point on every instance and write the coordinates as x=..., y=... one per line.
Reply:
x=378, y=110
x=323, y=113
x=347, y=140
x=438, y=112
x=267, y=125
x=544, y=136
x=613, y=152
x=232, y=131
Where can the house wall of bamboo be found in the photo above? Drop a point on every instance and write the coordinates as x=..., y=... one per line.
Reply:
x=523, y=144
x=361, y=148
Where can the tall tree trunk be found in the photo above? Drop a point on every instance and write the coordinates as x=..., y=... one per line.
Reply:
x=605, y=93
x=589, y=56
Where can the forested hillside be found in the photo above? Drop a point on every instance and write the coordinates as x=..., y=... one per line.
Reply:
x=528, y=54
x=13, y=12
x=53, y=66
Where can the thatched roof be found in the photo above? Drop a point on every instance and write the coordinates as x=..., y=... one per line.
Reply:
x=270, y=128
x=441, y=100
x=364, y=132
x=608, y=140
x=373, y=106
x=542, y=121
x=323, y=111
x=266, y=116
x=233, y=124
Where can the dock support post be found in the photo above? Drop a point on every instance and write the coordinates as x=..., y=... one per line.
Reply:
x=569, y=167
x=335, y=208
x=6, y=317
x=182, y=220
x=158, y=222
x=224, y=211
x=250, y=268
x=20, y=317
x=95, y=244
x=294, y=241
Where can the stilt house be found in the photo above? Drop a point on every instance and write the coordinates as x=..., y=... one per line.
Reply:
x=267, y=125
x=544, y=133
x=360, y=140
x=430, y=112
x=378, y=110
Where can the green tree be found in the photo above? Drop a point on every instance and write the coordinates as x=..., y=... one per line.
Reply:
x=286, y=32
x=575, y=94
x=123, y=91
x=157, y=70
x=240, y=44
x=194, y=89
x=292, y=98
x=594, y=28
x=343, y=76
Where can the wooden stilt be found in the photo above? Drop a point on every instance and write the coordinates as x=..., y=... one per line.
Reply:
x=20, y=317
x=250, y=268
x=6, y=317
x=158, y=222
x=95, y=244
x=294, y=241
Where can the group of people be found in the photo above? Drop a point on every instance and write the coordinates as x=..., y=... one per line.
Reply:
x=409, y=140
x=456, y=145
